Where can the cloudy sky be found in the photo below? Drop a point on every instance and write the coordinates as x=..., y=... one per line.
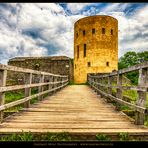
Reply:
x=41, y=29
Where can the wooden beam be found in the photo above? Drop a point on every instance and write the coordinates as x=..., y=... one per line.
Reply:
x=40, y=89
x=16, y=87
x=119, y=91
x=133, y=106
x=3, y=77
x=28, y=80
x=142, y=81
x=25, y=70
x=14, y=103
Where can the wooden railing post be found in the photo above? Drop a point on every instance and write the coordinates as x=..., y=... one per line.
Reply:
x=55, y=85
x=50, y=85
x=109, y=88
x=119, y=90
x=142, y=81
x=41, y=87
x=28, y=80
x=3, y=77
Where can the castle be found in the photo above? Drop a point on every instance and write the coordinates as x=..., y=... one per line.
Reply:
x=95, y=46
x=95, y=51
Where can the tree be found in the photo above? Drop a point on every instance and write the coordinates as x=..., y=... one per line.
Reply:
x=132, y=58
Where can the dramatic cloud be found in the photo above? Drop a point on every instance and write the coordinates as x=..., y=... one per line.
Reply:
x=41, y=29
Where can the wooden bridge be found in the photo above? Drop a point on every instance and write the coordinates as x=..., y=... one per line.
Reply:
x=78, y=109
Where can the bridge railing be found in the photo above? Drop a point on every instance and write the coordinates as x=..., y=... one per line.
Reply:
x=103, y=85
x=55, y=82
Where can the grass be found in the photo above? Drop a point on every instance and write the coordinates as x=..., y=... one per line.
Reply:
x=72, y=83
x=123, y=137
x=102, y=137
x=28, y=136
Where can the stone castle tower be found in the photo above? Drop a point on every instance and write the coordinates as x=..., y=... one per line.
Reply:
x=95, y=46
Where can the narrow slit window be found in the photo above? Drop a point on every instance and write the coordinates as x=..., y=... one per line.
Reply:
x=77, y=52
x=93, y=31
x=77, y=35
x=75, y=66
x=88, y=64
x=111, y=31
x=103, y=30
x=83, y=32
x=107, y=63
x=84, y=50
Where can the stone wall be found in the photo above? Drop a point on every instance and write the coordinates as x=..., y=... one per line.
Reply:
x=57, y=64
x=101, y=46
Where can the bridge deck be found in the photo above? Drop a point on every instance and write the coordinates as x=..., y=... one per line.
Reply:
x=75, y=109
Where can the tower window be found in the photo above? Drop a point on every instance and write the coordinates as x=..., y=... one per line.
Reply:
x=88, y=64
x=103, y=30
x=77, y=51
x=111, y=31
x=107, y=63
x=84, y=50
x=77, y=35
x=83, y=32
x=93, y=31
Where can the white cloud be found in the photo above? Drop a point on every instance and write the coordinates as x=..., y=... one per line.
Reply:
x=40, y=29
x=77, y=7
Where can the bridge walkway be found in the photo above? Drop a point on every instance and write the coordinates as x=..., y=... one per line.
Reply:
x=75, y=109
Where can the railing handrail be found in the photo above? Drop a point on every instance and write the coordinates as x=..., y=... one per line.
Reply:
x=95, y=82
x=55, y=83
x=124, y=70
x=26, y=70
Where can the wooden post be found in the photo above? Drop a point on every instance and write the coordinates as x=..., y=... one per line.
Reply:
x=55, y=85
x=50, y=85
x=95, y=84
x=98, y=85
x=62, y=79
x=109, y=88
x=142, y=81
x=41, y=87
x=3, y=77
x=101, y=87
x=28, y=80
x=119, y=91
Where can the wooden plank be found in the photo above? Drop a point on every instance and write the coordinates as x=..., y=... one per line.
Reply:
x=142, y=81
x=3, y=77
x=78, y=131
x=40, y=89
x=119, y=91
x=82, y=112
x=28, y=80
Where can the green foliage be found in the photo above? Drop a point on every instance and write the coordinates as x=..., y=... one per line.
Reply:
x=28, y=136
x=132, y=58
x=102, y=137
x=58, y=137
x=71, y=83
x=123, y=136
x=13, y=96
x=18, y=137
